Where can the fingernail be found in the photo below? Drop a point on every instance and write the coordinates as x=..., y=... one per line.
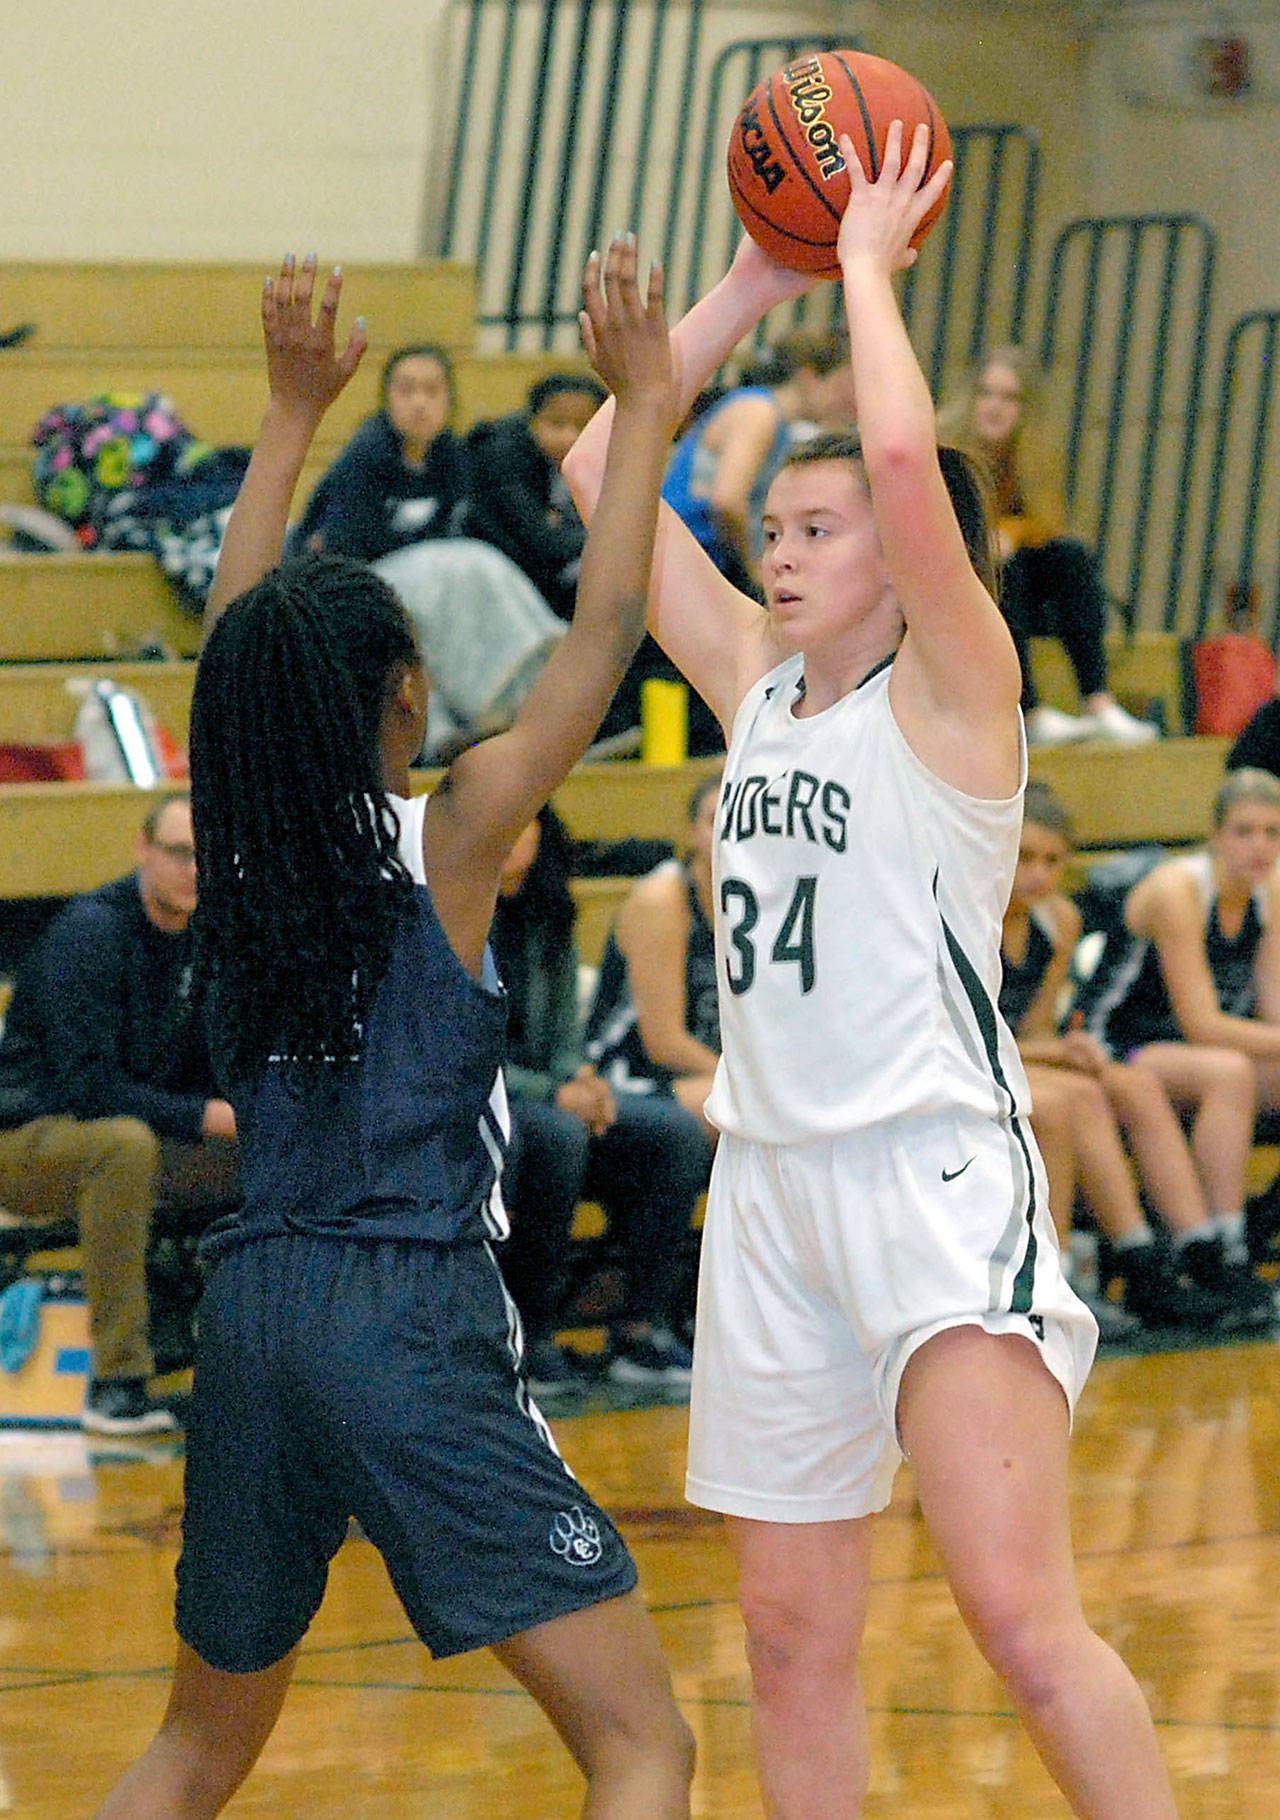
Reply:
x=288, y=258
x=360, y=322
x=310, y=259
x=337, y=271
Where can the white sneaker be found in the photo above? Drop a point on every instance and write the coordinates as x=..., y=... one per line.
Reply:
x=1051, y=727
x=1123, y=729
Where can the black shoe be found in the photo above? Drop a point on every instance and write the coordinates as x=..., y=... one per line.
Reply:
x=549, y=1368
x=656, y=1357
x=1156, y=1291
x=1246, y=1300
x=1262, y=1226
x=121, y=1406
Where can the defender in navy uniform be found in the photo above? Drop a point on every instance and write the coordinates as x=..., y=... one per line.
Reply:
x=358, y=1354
x=879, y=1270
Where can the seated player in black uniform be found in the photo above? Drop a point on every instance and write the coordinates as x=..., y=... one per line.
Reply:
x=358, y=1355
x=1082, y=1100
x=1197, y=965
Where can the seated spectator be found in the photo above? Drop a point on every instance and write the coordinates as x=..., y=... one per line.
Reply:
x=1196, y=966
x=1050, y=583
x=402, y=477
x=106, y=1099
x=518, y=501
x=654, y=1024
x=1083, y=1101
x=642, y=1156
x=718, y=475
x=721, y=467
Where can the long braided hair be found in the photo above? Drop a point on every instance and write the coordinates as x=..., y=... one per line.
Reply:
x=301, y=887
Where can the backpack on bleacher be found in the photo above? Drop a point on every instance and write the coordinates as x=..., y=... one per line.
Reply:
x=89, y=452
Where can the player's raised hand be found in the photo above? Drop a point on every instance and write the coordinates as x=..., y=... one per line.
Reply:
x=625, y=333
x=304, y=369
x=881, y=217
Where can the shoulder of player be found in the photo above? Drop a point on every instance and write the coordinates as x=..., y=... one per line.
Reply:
x=660, y=896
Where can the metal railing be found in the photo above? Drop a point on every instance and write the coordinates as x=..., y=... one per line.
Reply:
x=577, y=117
x=1242, y=515
x=1133, y=295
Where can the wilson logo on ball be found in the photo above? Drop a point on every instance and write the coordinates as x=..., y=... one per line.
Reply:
x=809, y=95
x=787, y=176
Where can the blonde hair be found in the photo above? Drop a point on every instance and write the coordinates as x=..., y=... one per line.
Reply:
x=1026, y=464
x=1248, y=785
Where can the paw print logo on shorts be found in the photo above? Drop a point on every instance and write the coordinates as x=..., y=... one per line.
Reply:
x=576, y=1537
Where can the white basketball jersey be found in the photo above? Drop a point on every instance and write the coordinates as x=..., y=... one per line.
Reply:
x=858, y=905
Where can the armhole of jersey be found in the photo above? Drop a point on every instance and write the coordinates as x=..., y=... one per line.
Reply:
x=409, y=814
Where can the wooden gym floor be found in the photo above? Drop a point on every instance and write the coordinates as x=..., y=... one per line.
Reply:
x=1177, y=1521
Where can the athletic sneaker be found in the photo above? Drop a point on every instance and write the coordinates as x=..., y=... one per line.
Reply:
x=1111, y=721
x=656, y=1357
x=1246, y=1300
x=1262, y=1225
x=121, y=1406
x=549, y=1368
x=1051, y=727
x=1157, y=1291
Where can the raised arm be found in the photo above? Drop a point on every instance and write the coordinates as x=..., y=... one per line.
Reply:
x=304, y=376
x=715, y=635
x=956, y=682
x=494, y=790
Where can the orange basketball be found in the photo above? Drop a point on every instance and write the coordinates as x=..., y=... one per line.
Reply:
x=787, y=178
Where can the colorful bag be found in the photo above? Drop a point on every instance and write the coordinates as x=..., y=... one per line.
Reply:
x=88, y=453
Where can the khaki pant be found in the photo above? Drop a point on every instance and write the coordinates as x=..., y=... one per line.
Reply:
x=102, y=1174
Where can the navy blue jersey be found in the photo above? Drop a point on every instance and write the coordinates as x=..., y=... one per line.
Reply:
x=1019, y=984
x=407, y=1140
x=1128, y=1004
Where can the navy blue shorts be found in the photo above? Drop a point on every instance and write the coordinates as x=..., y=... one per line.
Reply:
x=375, y=1380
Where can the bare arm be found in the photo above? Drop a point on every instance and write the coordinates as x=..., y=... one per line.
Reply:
x=653, y=933
x=493, y=790
x=956, y=683
x=744, y=434
x=304, y=375
x=716, y=636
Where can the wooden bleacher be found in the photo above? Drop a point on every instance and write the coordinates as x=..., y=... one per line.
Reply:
x=192, y=331
x=1144, y=672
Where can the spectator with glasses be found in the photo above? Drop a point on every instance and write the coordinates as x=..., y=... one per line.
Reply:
x=107, y=1104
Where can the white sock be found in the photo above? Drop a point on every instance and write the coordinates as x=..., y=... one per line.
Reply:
x=1207, y=1229
x=1230, y=1227
x=1130, y=1241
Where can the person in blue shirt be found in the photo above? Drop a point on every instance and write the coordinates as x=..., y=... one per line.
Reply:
x=358, y=1353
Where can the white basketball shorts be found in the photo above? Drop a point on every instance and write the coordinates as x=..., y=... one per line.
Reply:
x=824, y=1266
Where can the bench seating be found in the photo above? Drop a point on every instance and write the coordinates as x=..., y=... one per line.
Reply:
x=1144, y=670
x=59, y=838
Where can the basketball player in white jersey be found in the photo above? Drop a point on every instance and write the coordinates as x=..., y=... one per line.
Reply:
x=880, y=1271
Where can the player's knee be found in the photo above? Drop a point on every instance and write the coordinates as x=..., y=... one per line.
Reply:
x=1026, y=1647
x=127, y=1145
x=789, y=1645
x=642, y=1735
x=203, y=1769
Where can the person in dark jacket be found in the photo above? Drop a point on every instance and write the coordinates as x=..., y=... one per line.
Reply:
x=403, y=475
x=643, y=1156
x=107, y=1102
x=518, y=501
